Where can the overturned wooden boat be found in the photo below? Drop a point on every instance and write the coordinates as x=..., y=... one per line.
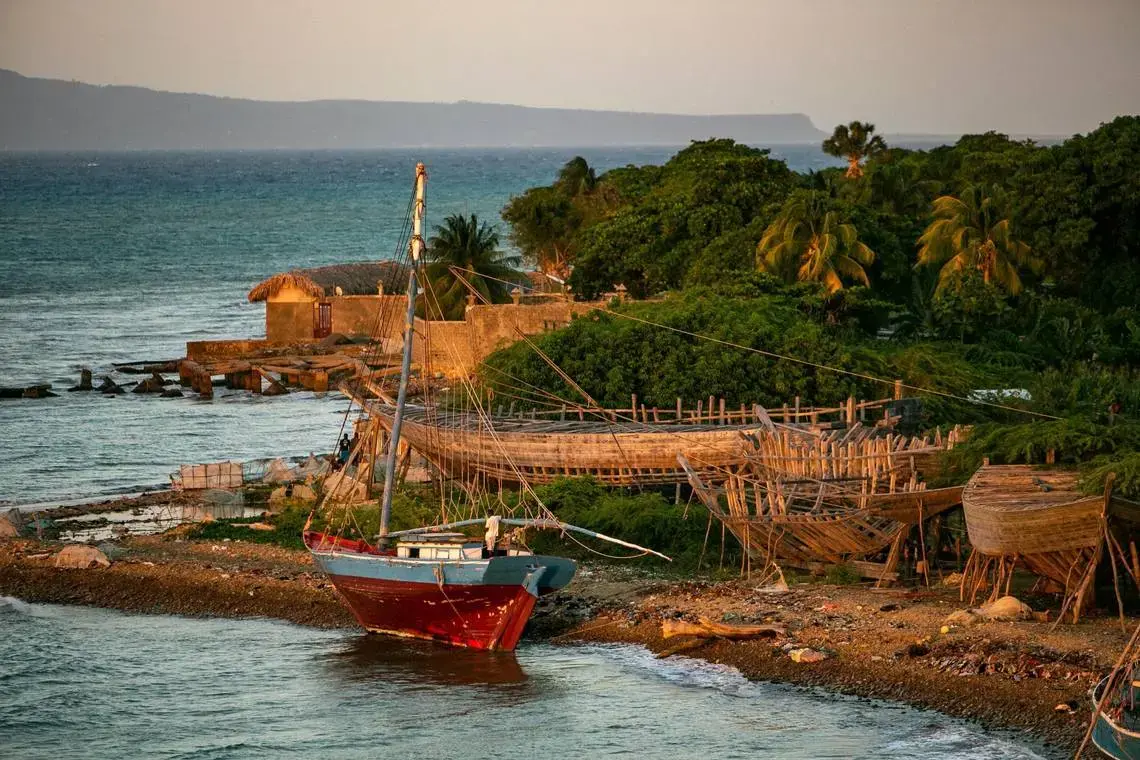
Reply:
x=1021, y=514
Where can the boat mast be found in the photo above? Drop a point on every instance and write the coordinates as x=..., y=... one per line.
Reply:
x=417, y=247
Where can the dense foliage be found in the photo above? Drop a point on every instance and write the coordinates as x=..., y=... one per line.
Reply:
x=969, y=268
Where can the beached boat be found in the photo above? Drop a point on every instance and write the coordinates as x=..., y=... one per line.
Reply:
x=431, y=582
x=1116, y=728
x=1038, y=517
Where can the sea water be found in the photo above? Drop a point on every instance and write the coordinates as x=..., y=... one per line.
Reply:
x=89, y=683
x=124, y=257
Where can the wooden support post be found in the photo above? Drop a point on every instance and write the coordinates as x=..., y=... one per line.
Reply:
x=723, y=419
x=678, y=409
x=186, y=370
x=898, y=389
x=797, y=408
x=850, y=410
x=320, y=381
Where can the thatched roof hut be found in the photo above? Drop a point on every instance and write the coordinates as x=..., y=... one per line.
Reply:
x=358, y=279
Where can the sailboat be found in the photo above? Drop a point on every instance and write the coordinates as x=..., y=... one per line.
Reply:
x=435, y=582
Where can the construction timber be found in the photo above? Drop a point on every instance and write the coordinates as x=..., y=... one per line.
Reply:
x=836, y=496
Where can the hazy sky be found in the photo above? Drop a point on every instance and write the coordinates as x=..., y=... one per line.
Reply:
x=1021, y=66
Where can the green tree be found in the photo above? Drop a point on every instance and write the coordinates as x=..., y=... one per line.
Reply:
x=463, y=249
x=973, y=232
x=809, y=242
x=854, y=142
x=545, y=220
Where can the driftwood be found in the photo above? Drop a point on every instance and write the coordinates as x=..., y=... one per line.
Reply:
x=707, y=629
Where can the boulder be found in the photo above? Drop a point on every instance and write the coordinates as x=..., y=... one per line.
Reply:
x=807, y=655
x=109, y=386
x=172, y=393
x=81, y=556
x=1007, y=608
x=153, y=384
x=38, y=391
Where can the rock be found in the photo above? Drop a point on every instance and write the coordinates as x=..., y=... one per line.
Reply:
x=807, y=655
x=1065, y=707
x=917, y=649
x=38, y=391
x=153, y=384
x=81, y=556
x=944, y=630
x=335, y=339
x=953, y=579
x=961, y=617
x=84, y=381
x=275, y=389
x=172, y=393
x=889, y=607
x=109, y=386
x=1007, y=608
x=260, y=526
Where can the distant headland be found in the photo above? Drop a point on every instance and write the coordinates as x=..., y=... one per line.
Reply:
x=53, y=114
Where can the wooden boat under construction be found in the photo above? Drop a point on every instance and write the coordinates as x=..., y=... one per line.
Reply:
x=619, y=447
x=470, y=445
x=1038, y=517
x=829, y=497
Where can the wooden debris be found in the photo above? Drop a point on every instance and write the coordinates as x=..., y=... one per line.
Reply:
x=706, y=629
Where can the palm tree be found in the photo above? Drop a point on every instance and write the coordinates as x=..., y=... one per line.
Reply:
x=576, y=177
x=810, y=243
x=461, y=250
x=973, y=232
x=854, y=142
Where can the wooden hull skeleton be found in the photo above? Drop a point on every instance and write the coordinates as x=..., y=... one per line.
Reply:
x=835, y=497
x=616, y=448
x=1037, y=517
x=429, y=583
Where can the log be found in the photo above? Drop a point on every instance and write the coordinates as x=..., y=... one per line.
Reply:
x=707, y=629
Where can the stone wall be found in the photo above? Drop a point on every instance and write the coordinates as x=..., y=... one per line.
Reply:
x=199, y=350
x=453, y=348
x=289, y=321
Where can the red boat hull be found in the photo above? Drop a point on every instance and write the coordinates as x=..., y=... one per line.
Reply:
x=469, y=615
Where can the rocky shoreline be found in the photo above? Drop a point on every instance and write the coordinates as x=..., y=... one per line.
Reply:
x=876, y=644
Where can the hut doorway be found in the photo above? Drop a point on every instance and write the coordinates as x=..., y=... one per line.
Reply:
x=323, y=326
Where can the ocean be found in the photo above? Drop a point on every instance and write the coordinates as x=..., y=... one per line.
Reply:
x=94, y=684
x=125, y=257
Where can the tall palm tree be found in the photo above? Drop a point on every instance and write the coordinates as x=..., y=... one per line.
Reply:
x=973, y=232
x=810, y=243
x=463, y=249
x=854, y=142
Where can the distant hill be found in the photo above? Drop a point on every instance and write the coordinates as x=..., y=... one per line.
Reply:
x=52, y=114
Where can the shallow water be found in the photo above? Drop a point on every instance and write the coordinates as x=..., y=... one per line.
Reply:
x=125, y=257
x=80, y=682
